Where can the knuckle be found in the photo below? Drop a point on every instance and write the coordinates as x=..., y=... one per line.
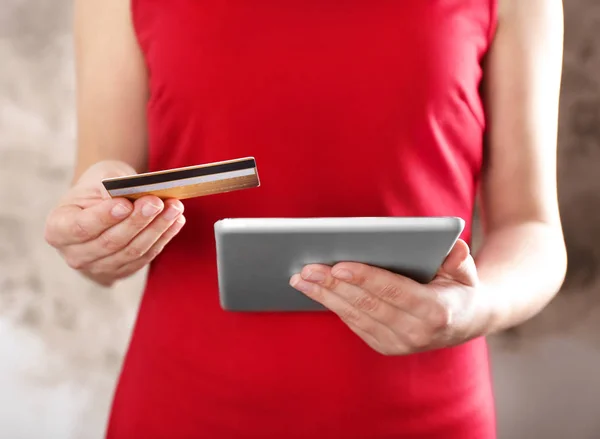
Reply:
x=389, y=346
x=390, y=292
x=349, y=314
x=152, y=254
x=100, y=269
x=316, y=293
x=105, y=221
x=126, y=269
x=74, y=262
x=418, y=339
x=331, y=283
x=366, y=302
x=155, y=251
x=109, y=243
x=370, y=327
x=361, y=273
x=134, y=252
x=79, y=231
x=440, y=316
x=96, y=269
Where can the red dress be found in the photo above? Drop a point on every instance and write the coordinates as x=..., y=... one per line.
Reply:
x=351, y=108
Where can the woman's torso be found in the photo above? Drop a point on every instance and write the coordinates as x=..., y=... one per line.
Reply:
x=355, y=108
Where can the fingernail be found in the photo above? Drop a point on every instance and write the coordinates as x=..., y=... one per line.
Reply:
x=342, y=274
x=120, y=211
x=299, y=284
x=181, y=220
x=150, y=210
x=315, y=276
x=171, y=213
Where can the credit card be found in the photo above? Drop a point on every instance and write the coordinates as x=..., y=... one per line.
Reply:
x=188, y=182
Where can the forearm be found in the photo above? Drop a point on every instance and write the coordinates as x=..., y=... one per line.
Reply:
x=521, y=269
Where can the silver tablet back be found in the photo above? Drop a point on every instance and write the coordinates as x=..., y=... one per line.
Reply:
x=256, y=257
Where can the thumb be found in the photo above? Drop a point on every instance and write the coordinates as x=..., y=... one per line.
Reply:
x=459, y=265
x=88, y=189
x=105, y=169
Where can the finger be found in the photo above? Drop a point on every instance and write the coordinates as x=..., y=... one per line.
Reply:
x=459, y=265
x=144, y=241
x=399, y=291
x=118, y=236
x=360, y=299
x=415, y=332
x=154, y=251
x=379, y=337
x=71, y=224
x=336, y=304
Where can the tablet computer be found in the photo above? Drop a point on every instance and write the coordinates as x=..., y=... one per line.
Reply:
x=257, y=256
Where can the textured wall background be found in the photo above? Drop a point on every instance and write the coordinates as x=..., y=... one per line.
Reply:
x=61, y=339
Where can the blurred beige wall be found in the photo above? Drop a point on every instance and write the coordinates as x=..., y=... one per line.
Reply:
x=62, y=340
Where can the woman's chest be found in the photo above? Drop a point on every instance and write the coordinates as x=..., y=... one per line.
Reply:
x=337, y=61
x=329, y=96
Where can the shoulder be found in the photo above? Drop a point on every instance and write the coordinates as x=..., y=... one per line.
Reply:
x=529, y=12
x=529, y=35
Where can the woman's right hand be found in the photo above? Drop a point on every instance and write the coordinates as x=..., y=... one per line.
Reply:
x=106, y=238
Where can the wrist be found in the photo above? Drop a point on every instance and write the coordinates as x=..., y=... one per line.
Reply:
x=490, y=310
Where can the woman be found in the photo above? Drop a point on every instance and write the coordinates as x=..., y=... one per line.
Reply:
x=356, y=108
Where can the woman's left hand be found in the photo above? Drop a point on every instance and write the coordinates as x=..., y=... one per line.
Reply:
x=396, y=315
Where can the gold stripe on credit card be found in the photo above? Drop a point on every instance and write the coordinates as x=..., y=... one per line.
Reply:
x=188, y=182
